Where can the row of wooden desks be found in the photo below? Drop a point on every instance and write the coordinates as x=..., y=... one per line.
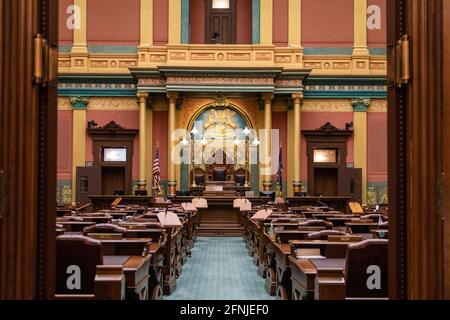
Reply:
x=290, y=262
x=151, y=258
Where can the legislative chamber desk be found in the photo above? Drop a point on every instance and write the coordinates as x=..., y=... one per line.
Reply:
x=337, y=203
x=102, y=202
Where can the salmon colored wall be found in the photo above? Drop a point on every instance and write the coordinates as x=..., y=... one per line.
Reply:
x=313, y=121
x=113, y=22
x=160, y=22
x=327, y=23
x=64, y=140
x=280, y=22
x=244, y=22
x=377, y=38
x=160, y=132
x=128, y=120
x=377, y=147
x=65, y=36
x=279, y=121
x=197, y=21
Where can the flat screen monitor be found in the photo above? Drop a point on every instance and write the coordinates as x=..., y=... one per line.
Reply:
x=114, y=155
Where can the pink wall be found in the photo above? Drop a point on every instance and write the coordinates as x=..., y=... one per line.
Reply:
x=197, y=21
x=377, y=38
x=327, y=23
x=280, y=22
x=313, y=121
x=127, y=119
x=160, y=22
x=377, y=146
x=244, y=22
x=65, y=35
x=160, y=132
x=279, y=120
x=113, y=22
x=64, y=140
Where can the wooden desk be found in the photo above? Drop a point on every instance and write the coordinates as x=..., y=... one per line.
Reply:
x=330, y=283
x=126, y=246
x=284, y=284
x=303, y=278
x=100, y=202
x=136, y=271
x=337, y=203
x=356, y=227
x=75, y=226
x=305, y=275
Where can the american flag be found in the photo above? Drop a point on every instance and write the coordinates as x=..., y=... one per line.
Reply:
x=280, y=169
x=156, y=173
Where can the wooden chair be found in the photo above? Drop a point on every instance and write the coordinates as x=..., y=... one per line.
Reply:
x=317, y=223
x=323, y=235
x=83, y=256
x=104, y=228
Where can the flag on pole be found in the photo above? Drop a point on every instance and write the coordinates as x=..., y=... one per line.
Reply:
x=280, y=169
x=156, y=173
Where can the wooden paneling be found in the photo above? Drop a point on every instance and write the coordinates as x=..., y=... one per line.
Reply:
x=418, y=155
x=26, y=127
x=446, y=142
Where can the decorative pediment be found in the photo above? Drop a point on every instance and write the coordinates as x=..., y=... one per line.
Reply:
x=328, y=127
x=327, y=130
x=112, y=128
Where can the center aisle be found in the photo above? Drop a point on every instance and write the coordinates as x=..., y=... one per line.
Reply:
x=219, y=269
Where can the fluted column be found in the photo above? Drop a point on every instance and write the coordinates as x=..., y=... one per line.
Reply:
x=172, y=181
x=142, y=183
x=267, y=162
x=360, y=107
x=296, y=182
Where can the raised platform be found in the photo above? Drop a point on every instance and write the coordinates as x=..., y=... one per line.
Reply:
x=220, y=219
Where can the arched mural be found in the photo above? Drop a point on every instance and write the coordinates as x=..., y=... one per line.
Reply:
x=222, y=132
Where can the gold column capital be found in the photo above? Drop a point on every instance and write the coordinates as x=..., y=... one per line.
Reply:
x=143, y=96
x=268, y=97
x=297, y=97
x=173, y=96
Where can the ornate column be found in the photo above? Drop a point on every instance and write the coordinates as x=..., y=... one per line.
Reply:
x=172, y=181
x=295, y=23
x=79, y=53
x=142, y=183
x=266, y=22
x=296, y=182
x=360, y=55
x=360, y=107
x=267, y=162
x=79, y=106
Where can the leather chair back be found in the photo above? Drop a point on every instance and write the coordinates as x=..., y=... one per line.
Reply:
x=323, y=235
x=317, y=223
x=77, y=254
x=104, y=228
x=366, y=269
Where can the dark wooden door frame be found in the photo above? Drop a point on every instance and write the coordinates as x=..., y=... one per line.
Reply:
x=114, y=136
x=327, y=136
x=418, y=183
x=47, y=145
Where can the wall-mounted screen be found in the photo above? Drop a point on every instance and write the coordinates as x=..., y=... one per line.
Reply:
x=325, y=156
x=114, y=155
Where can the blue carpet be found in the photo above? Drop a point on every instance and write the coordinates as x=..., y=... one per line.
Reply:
x=219, y=269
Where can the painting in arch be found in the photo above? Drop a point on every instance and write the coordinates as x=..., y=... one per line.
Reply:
x=220, y=151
